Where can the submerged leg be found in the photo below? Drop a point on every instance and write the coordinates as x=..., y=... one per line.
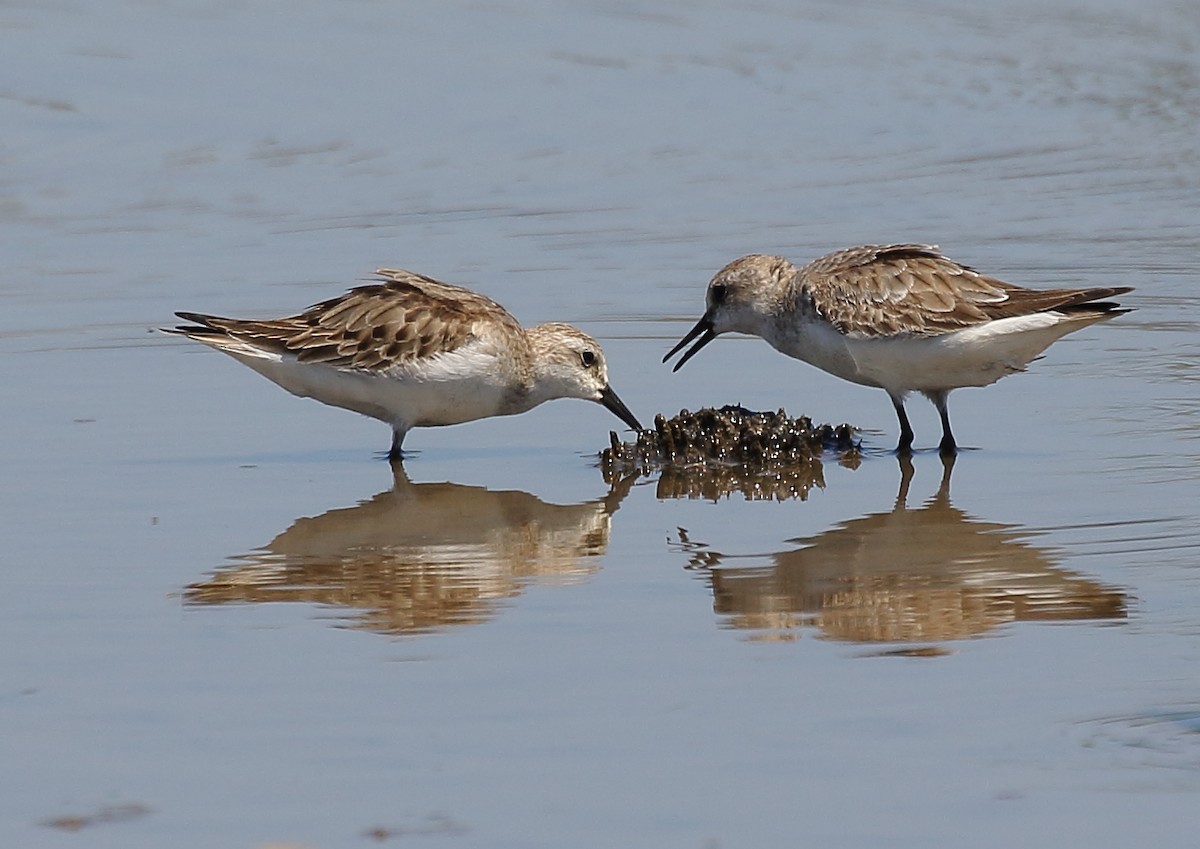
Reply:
x=947, y=447
x=943, y=493
x=904, y=448
x=396, y=454
x=906, y=476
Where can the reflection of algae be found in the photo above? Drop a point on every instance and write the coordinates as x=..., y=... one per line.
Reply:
x=712, y=453
x=924, y=574
x=419, y=557
x=715, y=484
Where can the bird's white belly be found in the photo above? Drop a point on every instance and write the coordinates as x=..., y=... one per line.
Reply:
x=973, y=356
x=451, y=393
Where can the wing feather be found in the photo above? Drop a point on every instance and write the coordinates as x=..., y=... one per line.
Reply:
x=399, y=319
x=886, y=290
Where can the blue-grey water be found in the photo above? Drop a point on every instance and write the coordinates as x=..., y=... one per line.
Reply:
x=225, y=623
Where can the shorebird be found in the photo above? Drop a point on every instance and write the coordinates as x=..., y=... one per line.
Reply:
x=903, y=318
x=413, y=352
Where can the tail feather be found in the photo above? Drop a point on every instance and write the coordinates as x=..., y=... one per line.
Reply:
x=202, y=325
x=1021, y=301
x=1086, y=304
x=220, y=333
x=1096, y=306
x=198, y=318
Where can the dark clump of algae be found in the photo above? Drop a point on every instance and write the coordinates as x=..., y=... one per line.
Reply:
x=713, y=452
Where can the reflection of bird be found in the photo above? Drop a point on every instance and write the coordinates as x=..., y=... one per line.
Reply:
x=920, y=574
x=903, y=318
x=420, y=556
x=413, y=352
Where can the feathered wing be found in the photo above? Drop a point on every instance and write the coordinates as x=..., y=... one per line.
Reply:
x=887, y=290
x=403, y=318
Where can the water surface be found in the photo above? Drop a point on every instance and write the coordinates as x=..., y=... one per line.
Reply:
x=226, y=621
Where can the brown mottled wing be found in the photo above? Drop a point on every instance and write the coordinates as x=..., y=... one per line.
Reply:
x=403, y=318
x=887, y=290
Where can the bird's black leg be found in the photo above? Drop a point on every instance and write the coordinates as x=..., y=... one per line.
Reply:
x=396, y=453
x=904, y=448
x=947, y=447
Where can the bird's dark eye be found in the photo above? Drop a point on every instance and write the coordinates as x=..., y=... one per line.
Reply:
x=717, y=292
x=588, y=358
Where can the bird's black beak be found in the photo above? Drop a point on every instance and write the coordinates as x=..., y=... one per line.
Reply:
x=610, y=400
x=703, y=329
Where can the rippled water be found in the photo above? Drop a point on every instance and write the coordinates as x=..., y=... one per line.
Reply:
x=227, y=623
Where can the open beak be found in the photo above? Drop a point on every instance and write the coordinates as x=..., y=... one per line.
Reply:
x=610, y=400
x=703, y=329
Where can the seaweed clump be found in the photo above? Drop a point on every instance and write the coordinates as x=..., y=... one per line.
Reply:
x=711, y=452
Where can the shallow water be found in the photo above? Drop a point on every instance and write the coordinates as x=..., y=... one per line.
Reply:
x=227, y=624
